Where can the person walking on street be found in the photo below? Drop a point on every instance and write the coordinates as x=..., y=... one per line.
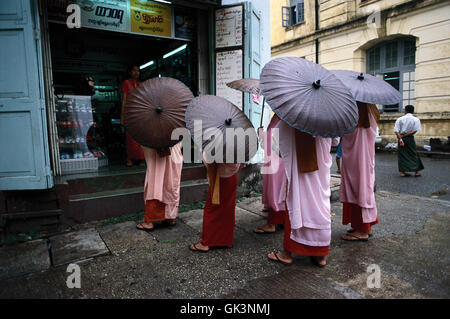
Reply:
x=408, y=158
x=339, y=156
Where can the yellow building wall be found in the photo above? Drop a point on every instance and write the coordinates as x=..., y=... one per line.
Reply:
x=347, y=50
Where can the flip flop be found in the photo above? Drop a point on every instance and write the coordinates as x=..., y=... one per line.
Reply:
x=196, y=249
x=278, y=259
x=145, y=229
x=417, y=175
x=353, y=236
x=169, y=223
x=263, y=231
x=406, y=175
x=351, y=230
x=315, y=262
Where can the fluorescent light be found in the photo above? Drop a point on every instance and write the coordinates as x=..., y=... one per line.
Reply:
x=175, y=51
x=163, y=1
x=143, y=66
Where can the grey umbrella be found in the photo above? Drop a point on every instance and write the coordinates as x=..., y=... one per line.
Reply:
x=308, y=97
x=367, y=88
x=250, y=86
x=217, y=113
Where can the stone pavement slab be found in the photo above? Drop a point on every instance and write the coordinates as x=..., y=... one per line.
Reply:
x=121, y=237
x=77, y=246
x=410, y=247
x=24, y=258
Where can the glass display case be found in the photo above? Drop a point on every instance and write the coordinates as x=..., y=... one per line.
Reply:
x=78, y=136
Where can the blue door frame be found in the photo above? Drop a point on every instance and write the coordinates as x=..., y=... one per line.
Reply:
x=24, y=155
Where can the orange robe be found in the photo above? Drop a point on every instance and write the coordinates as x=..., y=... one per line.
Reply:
x=162, y=184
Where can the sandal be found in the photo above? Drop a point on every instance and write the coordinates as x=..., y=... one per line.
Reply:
x=278, y=259
x=144, y=228
x=356, y=238
x=262, y=231
x=405, y=175
x=315, y=262
x=170, y=222
x=351, y=230
x=193, y=247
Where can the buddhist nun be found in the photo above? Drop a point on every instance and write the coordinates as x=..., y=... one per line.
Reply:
x=162, y=185
x=219, y=210
x=273, y=180
x=307, y=225
x=358, y=175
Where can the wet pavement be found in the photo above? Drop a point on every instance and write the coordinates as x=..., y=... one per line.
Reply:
x=435, y=179
x=409, y=248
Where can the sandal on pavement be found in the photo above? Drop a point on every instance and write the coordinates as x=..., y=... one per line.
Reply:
x=170, y=222
x=315, y=262
x=144, y=228
x=354, y=238
x=193, y=247
x=351, y=230
x=278, y=259
x=262, y=231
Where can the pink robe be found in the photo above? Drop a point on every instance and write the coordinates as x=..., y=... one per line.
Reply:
x=274, y=179
x=358, y=170
x=307, y=194
x=163, y=178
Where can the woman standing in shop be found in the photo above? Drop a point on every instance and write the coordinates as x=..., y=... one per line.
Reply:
x=134, y=150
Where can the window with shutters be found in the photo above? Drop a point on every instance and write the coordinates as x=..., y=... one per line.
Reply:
x=294, y=14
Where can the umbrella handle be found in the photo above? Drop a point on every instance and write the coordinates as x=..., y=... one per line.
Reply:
x=262, y=112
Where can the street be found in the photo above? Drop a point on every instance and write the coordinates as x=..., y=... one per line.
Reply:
x=409, y=249
x=435, y=177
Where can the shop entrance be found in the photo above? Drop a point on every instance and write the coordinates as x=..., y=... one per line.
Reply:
x=89, y=67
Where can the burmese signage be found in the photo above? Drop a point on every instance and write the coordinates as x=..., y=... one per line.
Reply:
x=131, y=16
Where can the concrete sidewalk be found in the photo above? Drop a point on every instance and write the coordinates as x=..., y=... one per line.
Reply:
x=410, y=247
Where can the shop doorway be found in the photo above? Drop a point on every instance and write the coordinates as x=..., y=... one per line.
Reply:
x=89, y=67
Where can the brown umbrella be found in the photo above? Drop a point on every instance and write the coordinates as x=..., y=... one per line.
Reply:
x=250, y=86
x=217, y=113
x=154, y=109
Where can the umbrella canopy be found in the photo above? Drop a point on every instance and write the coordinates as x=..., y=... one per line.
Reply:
x=308, y=97
x=367, y=88
x=218, y=114
x=154, y=109
x=246, y=85
x=250, y=86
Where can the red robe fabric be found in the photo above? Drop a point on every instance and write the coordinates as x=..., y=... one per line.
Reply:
x=298, y=248
x=276, y=218
x=352, y=214
x=218, y=220
x=134, y=150
x=155, y=211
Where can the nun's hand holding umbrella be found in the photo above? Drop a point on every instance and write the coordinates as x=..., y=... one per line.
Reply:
x=308, y=97
x=154, y=109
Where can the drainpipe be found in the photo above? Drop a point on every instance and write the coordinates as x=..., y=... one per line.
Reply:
x=316, y=11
